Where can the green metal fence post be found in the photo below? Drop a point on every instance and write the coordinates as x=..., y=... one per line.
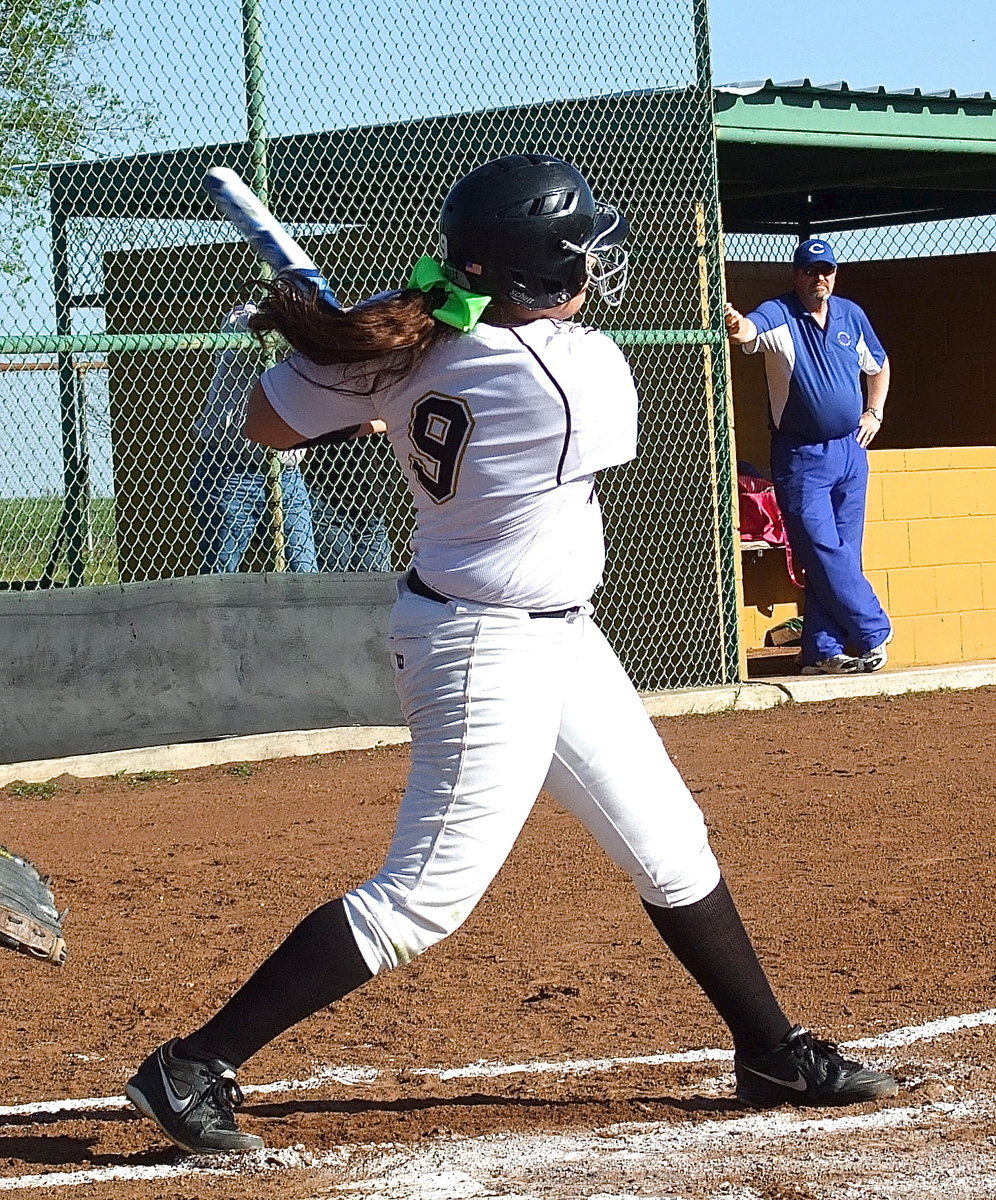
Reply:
x=73, y=534
x=252, y=49
x=717, y=365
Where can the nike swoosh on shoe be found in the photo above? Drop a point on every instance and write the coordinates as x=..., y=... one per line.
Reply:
x=172, y=1096
x=798, y=1084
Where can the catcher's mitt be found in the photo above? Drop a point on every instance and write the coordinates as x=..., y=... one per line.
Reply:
x=29, y=920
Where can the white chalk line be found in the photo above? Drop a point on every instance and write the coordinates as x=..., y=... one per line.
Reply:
x=105, y=1175
x=927, y=1032
x=657, y=1153
x=259, y=1162
x=358, y=1076
x=638, y=1139
x=349, y=1076
x=268, y=1160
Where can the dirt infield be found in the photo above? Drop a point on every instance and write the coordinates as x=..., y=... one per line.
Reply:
x=858, y=837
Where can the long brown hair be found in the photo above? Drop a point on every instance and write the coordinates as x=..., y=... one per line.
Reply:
x=386, y=338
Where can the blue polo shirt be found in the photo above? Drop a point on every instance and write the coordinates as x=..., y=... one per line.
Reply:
x=814, y=374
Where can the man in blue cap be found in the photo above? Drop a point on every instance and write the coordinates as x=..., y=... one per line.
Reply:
x=816, y=347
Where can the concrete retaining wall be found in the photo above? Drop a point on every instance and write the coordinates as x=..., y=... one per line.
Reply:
x=91, y=669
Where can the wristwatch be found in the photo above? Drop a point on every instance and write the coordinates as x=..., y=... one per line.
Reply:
x=877, y=413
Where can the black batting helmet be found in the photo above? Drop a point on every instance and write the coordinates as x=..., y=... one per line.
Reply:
x=527, y=229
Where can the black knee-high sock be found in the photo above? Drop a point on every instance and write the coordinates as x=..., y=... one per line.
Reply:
x=317, y=964
x=708, y=938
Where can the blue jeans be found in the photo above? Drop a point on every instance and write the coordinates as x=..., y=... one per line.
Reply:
x=821, y=488
x=231, y=497
x=350, y=539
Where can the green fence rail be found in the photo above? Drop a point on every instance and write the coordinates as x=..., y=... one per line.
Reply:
x=120, y=276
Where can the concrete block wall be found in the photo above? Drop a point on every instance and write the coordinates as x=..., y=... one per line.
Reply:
x=930, y=550
x=770, y=597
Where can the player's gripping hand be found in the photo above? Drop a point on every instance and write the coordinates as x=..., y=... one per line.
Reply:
x=29, y=920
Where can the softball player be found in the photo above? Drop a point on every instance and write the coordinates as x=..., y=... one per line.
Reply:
x=501, y=411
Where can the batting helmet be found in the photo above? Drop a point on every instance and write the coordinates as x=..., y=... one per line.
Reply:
x=527, y=228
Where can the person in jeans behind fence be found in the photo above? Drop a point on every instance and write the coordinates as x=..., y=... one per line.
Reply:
x=350, y=485
x=230, y=488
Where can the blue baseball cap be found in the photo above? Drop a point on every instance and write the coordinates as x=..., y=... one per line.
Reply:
x=815, y=250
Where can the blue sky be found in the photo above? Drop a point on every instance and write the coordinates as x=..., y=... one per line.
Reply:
x=930, y=44
x=384, y=62
x=332, y=62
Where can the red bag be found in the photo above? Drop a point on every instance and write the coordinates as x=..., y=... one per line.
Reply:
x=761, y=519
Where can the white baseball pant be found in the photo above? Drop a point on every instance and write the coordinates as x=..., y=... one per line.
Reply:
x=501, y=705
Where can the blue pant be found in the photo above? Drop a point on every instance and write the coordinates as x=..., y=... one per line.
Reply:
x=350, y=539
x=230, y=495
x=821, y=488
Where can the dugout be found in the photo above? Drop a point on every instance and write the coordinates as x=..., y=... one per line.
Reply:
x=904, y=184
x=791, y=160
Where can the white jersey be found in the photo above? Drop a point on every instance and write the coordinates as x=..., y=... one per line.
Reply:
x=499, y=433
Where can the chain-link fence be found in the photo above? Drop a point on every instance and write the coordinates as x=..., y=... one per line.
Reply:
x=351, y=125
x=972, y=235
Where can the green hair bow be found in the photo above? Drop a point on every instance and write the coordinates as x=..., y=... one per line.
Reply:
x=462, y=309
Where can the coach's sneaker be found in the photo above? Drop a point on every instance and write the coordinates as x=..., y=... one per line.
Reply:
x=876, y=658
x=804, y=1070
x=192, y=1101
x=836, y=664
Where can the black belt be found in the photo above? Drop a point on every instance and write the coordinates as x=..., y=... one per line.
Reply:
x=417, y=585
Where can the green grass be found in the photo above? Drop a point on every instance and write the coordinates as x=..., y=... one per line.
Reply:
x=28, y=526
x=32, y=791
x=151, y=776
x=137, y=778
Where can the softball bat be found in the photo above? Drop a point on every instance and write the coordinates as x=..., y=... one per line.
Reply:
x=263, y=232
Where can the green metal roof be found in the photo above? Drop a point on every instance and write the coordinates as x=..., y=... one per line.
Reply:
x=312, y=175
x=804, y=157
x=793, y=157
